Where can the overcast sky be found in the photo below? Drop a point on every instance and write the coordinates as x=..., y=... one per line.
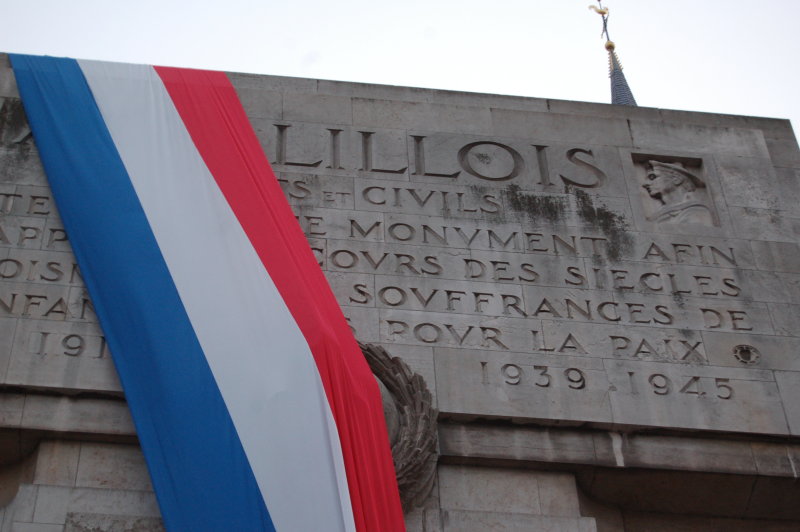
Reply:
x=726, y=56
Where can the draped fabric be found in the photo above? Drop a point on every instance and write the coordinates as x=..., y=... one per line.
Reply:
x=253, y=404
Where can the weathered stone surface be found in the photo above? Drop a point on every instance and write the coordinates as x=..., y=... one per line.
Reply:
x=89, y=522
x=524, y=256
x=462, y=521
x=82, y=415
x=112, y=466
x=57, y=463
x=497, y=499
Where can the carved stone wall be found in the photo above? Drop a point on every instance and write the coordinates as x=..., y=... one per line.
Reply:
x=602, y=300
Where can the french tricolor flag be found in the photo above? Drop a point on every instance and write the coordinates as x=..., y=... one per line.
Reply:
x=252, y=401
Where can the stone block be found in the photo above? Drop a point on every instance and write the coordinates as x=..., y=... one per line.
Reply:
x=47, y=302
x=789, y=386
x=690, y=454
x=772, y=128
x=446, y=296
x=783, y=152
x=39, y=267
x=272, y=83
x=558, y=495
x=672, y=492
x=607, y=518
x=748, y=182
x=29, y=200
x=420, y=360
x=774, y=498
x=521, y=444
x=490, y=489
x=51, y=505
x=777, y=256
x=353, y=289
x=689, y=137
x=8, y=84
x=7, y=328
x=676, y=281
x=261, y=103
x=764, y=224
x=466, y=521
x=695, y=397
x=692, y=250
x=554, y=127
x=113, y=502
x=773, y=287
x=61, y=355
x=473, y=99
x=590, y=169
x=788, y=182
x=25, y=232
x=604, y=110
x=377, y=113
x=57, y=463
x=653, y=522
x=374, y=153
x=521, y=386
x=383, y=92
x=11, y=407
x=89, y=522
x=54, y=236
x=785, y=319
x=35, y=527
x=64, y=414
x=318, y=108
x=311, y=190
x=776, y=459
x=754, y=351
x=340, y=224
x=363, y=322
x=331, y=149
x=19, y=159
x=684, y=312
x=426, y=197
x=110, y=466
x=21, y=509
x=452, y=330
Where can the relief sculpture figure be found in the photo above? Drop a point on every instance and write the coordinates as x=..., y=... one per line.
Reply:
x=676, y=190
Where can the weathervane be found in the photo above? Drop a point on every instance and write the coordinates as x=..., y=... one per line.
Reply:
x=620, y=92
x=603, y=12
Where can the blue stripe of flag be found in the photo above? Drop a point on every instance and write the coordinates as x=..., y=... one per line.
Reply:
x=180, y=416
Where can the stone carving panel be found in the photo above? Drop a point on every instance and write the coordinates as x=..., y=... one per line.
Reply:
x=551, y=267
x=677, y=191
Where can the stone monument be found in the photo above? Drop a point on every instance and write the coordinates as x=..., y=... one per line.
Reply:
x=602, y=301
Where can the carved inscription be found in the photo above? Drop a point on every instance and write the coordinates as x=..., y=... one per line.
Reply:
x=482, y=159
x=519, y=264
x=575, y=379
x=67, y=344
x=540, y=376
x=660, y=384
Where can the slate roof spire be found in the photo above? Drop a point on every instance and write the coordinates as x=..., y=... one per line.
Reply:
x=620, y=91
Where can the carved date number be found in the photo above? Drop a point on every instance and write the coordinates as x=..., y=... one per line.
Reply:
x=660, y=384
x=71, y=345
x=540, y=376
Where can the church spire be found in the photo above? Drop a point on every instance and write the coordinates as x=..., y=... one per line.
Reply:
x=620, y=92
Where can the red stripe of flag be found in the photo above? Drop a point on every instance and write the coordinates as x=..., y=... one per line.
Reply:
x=222, y=133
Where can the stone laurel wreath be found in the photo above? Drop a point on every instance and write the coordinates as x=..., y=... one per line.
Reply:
x=414, y=444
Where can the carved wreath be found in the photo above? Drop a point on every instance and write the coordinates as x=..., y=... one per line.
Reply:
x=414, y=444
